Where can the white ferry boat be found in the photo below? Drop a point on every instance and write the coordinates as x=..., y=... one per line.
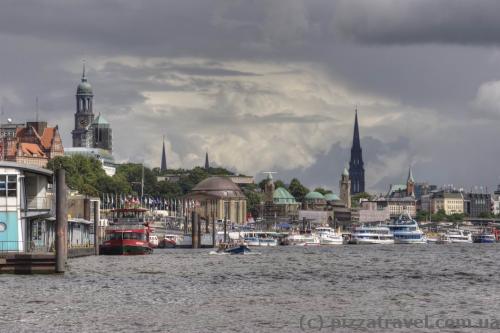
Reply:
x=327, y=236
x=260, y=238
x=406, y=231
x=372, y=235
x=459, y=236
x=303, y=240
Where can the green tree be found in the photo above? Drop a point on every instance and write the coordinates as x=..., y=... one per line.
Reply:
x=298, y=190
x=253, y=202
x=322, y=190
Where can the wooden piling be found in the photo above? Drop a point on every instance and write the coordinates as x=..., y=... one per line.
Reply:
x=194, y=230
x=97, y=241
x=61, y=221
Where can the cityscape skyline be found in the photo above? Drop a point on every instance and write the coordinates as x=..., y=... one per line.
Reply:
x=428, y=101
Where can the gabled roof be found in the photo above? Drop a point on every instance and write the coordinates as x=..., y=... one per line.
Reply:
x=31, y=149
x=48, y=137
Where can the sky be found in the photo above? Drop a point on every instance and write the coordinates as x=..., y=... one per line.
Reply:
x=270, y=85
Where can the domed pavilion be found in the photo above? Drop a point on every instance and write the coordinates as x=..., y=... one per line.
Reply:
x=219, y=198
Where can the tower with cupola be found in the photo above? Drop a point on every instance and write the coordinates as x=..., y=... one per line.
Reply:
x=84, y=116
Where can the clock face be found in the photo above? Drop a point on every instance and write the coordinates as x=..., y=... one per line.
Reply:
x=3, y=227
x=83, y=122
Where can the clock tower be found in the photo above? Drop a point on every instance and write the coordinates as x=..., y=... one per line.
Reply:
x=84, y=116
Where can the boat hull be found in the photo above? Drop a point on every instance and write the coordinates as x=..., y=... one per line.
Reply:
x=374, y=241
x=242, y=249
x=125, y=248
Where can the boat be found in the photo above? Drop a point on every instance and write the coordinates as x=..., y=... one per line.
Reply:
x=459, y=236
x=372, y=235
x=327, y=236
x=406, y=231
x=259, y=238
x=238, y=249
x=443, y=239
x=303, y=240
x=127, y=233
x=169, y=241
x=484, y=238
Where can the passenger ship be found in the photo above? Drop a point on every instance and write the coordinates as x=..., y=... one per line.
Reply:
x=327, y=236
x=459, y=236
x=372, y=235
x=406, y=231
x=128, y=234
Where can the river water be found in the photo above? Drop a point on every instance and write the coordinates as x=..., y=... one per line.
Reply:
x=284, y=289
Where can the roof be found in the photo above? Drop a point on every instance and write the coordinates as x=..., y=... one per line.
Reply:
x=26, y=167
x=332, y=197
x=31, y=149
x=448, y=195
x=345, y=172
x=314, y=196
x=48, y=136
x=397, y=188
x=282, y=196
x=100, y=120
x=221, y=187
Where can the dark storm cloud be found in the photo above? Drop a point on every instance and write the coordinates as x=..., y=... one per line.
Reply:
x=419, y=21
x=421, y=62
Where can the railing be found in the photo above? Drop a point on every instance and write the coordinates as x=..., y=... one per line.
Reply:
x=40, y=203
x=11, y=246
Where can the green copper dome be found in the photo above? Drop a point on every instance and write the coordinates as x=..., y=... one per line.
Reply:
x=314, y=196
x=84, y=88
x=100, y=120
x=332, y=197
x=345, y=172
x=282, y=196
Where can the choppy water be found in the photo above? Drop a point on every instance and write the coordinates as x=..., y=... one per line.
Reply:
x=285, y=289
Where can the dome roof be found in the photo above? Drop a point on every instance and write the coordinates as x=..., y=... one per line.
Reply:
x=345, y=172
x=332, y=197
x=100, y=120
x=84, y=88
x=314, y=196
x=282, y=196
x=221, y=187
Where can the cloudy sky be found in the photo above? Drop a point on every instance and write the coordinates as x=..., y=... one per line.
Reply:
x=270, y=85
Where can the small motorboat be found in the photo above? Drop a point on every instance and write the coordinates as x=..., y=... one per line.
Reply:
x=240, y=249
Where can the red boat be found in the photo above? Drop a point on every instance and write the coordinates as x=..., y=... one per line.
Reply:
x=128, y=234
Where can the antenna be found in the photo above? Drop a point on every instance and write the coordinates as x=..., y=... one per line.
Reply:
x=269, y=174
x=36, y=111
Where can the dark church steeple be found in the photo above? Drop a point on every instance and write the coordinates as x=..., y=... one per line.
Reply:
x=207, y=165
x=356, y=166
x=163, y=166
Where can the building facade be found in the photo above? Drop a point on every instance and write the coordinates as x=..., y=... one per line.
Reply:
x=477, y=204
x=449, y=202
x=345, y=188
x=356, y=165
x=34, y=144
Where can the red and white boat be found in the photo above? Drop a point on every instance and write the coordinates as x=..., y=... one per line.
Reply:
x=127, y=234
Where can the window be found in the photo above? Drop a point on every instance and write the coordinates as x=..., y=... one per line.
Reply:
x=3, y=227
x=11, y=185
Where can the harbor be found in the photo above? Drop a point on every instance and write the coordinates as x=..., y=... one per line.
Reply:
x=192, y=290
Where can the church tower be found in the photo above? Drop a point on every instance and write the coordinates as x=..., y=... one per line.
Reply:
x=356, y=166
x=84, y=116
x=207, y=165
x=269, y=188
x=410, y=184
x=345, y=188
x=163, y=166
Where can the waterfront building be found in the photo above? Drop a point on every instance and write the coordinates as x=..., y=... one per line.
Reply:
x=477, y=204
x=423, y=188
x=451, y=202
x=219, y=199
x=495, y=204
x=345, y=188
x=314, y=201
x=89, y=131
x=401, y=198
x=356, y=165
x=34, y=144
x=9, y=130
x=25, y=199
x=373, y=211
